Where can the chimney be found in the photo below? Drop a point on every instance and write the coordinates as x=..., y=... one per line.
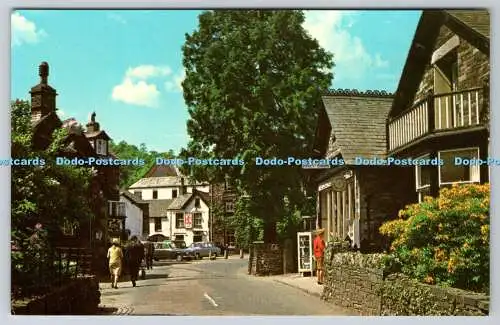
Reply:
x=183, y=187
x=92, y=125
x=43, y=96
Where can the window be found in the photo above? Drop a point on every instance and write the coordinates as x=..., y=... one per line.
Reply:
x=101, y=147
x=227, y=184
x=197, y=220
x=68, y=228
x=455, y=168
x=423, y=179
x=229, y=207
x=197, y=238
x=231, y=240
x=157, y=224
x=116, y=208
x=138, y=194
x=155, y=194
x=197, y=203
x=445, y=82
x=174, y=194
x=179, y=220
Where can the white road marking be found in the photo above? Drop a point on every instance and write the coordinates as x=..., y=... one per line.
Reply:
x=212, y=301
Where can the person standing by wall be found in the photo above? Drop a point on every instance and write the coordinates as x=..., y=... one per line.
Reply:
x=135, y=255
x=319, y=251
x=115, y=260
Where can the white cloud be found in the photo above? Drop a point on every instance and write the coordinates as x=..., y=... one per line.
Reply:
x=137, y=88
x=61, y=113
x=332, y=30
x=147, y=71
x=138, y=93
x=175, y=85
x=24, y=31
x=116, y=17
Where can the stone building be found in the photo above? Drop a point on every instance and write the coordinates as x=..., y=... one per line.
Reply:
x=79, y=143
x=441, y=106
x=223, y=198
x=356, y=194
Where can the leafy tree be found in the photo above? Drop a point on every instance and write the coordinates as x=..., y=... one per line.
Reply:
x=253, y=80
x=130, y=174
x=44, y=197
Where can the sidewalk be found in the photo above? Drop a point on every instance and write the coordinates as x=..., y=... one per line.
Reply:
x=305, y=283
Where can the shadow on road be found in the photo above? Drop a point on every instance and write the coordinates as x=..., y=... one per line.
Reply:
x=106, y=310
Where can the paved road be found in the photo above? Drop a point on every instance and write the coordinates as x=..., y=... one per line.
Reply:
x=202, y=288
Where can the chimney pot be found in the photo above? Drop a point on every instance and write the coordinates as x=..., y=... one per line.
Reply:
x=43, y=72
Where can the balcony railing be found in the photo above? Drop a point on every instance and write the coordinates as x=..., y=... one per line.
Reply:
x=436, y=113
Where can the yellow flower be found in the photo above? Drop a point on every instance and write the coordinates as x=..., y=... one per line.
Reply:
x=429, y=280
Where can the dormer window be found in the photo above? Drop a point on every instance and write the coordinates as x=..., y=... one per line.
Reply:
x=101, y=147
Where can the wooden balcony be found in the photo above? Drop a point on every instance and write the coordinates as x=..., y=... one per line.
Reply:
x=437, y=113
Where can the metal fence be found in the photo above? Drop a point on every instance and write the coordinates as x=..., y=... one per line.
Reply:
x=53, y=270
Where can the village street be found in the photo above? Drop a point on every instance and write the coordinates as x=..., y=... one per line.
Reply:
x=204, y=288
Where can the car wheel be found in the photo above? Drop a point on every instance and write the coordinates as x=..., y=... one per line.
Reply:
x=156, y=259
x=179, y=258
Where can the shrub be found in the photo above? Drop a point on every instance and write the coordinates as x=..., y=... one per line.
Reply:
x=445, y=240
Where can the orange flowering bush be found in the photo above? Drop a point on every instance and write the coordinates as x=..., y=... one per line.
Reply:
x=445, y=240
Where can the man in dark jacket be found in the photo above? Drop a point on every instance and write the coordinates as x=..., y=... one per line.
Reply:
x=149, y=251
x=134, y=256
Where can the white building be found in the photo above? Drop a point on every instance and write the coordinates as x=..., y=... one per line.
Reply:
x=177, y=209
x=135, y=211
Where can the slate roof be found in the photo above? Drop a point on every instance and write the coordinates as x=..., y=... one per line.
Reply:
x=158, y=208
x=133, y=197
x=179, y=202
x=478, y=20
x=162, y=171
x=157, y=182
x=358, y=121
x=96, y=134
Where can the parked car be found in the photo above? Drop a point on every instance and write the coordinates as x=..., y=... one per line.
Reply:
x=201, y=250
x=168, y=251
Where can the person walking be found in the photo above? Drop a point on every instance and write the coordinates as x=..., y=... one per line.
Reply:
x=149, y=250
x=115, y=262
x=135, y=255
x=319, y=251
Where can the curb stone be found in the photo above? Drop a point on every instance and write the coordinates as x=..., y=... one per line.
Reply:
x=316, y=294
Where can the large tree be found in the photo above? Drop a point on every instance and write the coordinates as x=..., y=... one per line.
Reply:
x=44, y=199
x=253, y=81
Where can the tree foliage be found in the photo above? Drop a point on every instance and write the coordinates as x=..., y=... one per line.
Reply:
x=253, y=81
x=129, y=174
x=46, y=196
x=445, y=240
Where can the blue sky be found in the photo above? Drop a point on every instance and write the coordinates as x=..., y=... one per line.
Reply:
x=127, y=65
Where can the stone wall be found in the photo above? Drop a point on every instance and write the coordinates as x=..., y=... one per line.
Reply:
x=473, y=66
x=81, y=296
x=290, y=256
x=383, y=192
x=352, y=280
x=402, y=296
x=265, y=259
x=358, y=282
